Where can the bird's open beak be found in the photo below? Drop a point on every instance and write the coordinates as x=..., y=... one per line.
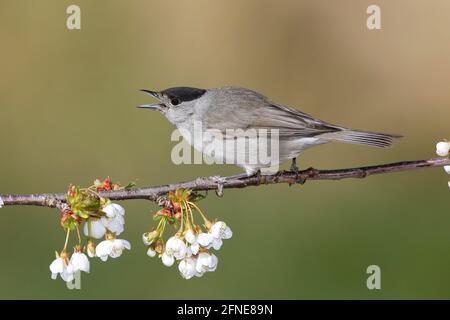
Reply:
x=157, y=106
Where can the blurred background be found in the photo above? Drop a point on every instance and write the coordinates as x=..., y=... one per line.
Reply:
x=68, y=115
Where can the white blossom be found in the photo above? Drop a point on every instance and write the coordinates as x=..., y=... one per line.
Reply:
x=190, y=236
x=216, y=244
x=79, y=262
x=447, y=169
x=206, y=262
x=220, y=230
x=176, y=247
x=114, y=219
x=149, y=237
x=442, y=148
x=151, y=253
x=213, y=239
x=194, y=248
x=205, y=239
x=115, y=224
x=98, y=229
x=167, y=260
x=111, y=248
x=187, y=267
x=145, y=239
x=1, y=202
x=114, y=210
x=59, y=266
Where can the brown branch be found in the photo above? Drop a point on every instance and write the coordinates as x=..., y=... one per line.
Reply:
x=209, y=183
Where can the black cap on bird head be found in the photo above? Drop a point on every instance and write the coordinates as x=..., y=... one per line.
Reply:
x=175, y=95
x=183, y=94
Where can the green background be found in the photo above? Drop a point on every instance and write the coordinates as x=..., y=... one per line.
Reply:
x=67, y=101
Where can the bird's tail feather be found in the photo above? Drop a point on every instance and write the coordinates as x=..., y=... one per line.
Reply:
x=375, y=139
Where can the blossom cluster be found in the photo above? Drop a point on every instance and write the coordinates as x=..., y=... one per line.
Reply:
x=87, y=212
x=192, y=245
x=109, y=226
x=101, y=218
x=443, y=150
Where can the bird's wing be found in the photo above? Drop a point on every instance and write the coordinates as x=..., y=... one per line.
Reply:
x=247, y=109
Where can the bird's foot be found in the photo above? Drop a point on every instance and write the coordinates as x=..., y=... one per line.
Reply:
x=294, y=167
x=220, y=181
x=298, y=178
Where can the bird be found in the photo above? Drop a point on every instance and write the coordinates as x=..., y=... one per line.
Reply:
x=234, y=111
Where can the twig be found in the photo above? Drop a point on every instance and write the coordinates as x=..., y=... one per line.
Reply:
x=209, y=183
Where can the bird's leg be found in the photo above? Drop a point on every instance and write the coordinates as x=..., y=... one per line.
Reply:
x=257, y=174
x=294, y=169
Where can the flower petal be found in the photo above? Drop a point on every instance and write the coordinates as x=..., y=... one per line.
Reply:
x=217, y=243
x=104, y=248
x=151, y=253
x=113, y=209
x=204, y=239
x=167, y=260
x=57, y=266
x=115, y=226
x=190, y=236
x=187, y=268
x=442, y=148
x=194, y=248
x=126, y=244
x=80, y=262
x=98, y=230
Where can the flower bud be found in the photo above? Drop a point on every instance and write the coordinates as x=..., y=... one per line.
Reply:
x=447, y=169
x=159, y=246
x=442, y=148
x=190, y=236
x=65, y=257
x=149, y=237
x=91, y=249
x=82, y=202
x=167, y=260
x=176, y=207
x=151, y=252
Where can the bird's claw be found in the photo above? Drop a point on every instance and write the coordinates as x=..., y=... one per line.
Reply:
x=220, y=182
x=298, y=178
x=294, y=169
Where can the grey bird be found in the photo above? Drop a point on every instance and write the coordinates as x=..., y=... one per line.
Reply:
x=234, y=109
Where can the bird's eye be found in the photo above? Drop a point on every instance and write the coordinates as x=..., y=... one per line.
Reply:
x=175, y=101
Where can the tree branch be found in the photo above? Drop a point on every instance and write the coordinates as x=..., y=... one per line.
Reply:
x=209, y=183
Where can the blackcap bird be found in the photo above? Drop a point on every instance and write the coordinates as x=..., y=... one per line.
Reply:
x=234, y=113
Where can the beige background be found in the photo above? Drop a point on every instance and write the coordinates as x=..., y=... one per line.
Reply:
x=67, y=101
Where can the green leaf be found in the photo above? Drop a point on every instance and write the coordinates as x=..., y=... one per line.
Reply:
x=195, y=196
x=130, y=185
